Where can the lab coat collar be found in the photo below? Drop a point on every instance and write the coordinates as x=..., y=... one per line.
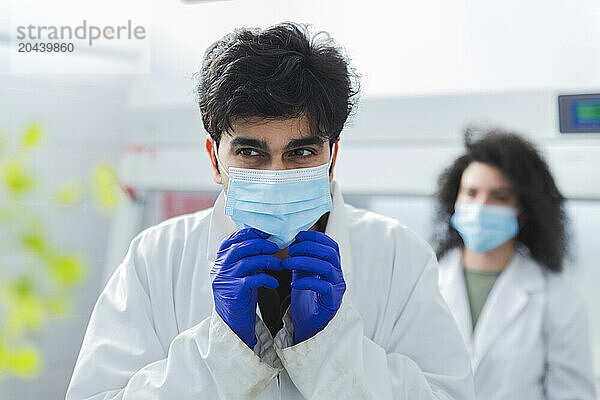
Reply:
x=454, y=290
x=509, y=296
x=221, y=226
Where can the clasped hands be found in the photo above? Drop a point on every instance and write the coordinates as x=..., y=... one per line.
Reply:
x=317, y=281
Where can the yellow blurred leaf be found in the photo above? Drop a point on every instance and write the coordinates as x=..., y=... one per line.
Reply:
x=66, y=269
x=32, y=135
x=24, y=362
x=109, y=199
x=105, y=176
x=3, y=358
x=25, y=313
x=22, y=287
x=34, y=242
x=68, y=193
x=105, y=188
x=16, y=179
x=24, y=309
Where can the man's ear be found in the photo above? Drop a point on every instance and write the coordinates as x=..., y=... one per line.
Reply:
x=334, y=158
x=211, y=149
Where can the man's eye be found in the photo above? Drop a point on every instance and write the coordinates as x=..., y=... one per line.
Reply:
x=302, y=153
x=248, y=152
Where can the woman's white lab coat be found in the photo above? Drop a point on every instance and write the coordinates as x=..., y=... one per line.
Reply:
x=153, y=333
x=531, y=340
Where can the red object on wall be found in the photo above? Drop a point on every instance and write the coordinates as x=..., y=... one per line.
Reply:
x=179, y=203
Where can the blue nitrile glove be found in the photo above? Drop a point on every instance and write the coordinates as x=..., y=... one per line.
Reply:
x=317, y=282
x=236, y=277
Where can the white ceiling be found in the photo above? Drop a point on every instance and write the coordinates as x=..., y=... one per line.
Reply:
x=400, y=48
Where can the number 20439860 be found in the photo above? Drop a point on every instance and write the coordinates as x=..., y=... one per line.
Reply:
x=46, y=47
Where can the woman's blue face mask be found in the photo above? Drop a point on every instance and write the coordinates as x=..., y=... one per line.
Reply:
x=278, y=202
x=484, y=227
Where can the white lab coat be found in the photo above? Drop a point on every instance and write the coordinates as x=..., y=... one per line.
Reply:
x=531, y=340
x=153, y=333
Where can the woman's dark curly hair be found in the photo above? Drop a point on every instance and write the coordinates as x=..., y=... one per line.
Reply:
x=544, y=229
x=278, y=73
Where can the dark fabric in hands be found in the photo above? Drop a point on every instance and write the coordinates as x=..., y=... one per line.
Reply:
x=273, y=303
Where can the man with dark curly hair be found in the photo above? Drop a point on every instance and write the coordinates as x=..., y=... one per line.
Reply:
x=280, y=290
x=501, y=245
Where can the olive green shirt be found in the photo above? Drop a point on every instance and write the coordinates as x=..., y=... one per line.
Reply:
x=478, y=284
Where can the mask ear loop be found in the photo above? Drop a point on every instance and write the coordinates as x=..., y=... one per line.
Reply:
x=329, y=165
x=221, y=164
x=329, y=171
x=222, y=168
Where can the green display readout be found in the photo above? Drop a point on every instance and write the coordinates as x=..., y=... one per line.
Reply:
x=579, y=113
x=588, y=112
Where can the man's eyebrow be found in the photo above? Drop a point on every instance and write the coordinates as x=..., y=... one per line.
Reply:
x=309, y=141
x=244, y=141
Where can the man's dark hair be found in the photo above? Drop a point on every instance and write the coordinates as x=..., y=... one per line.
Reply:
x=544, y=230
x=277, y=73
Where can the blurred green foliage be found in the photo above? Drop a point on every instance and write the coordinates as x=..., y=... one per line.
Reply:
x=37, y=277
x=105, y=188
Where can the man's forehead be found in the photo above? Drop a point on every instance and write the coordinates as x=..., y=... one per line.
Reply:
x=296, y=124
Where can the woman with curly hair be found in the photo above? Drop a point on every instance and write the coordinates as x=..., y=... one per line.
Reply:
x=501, y=244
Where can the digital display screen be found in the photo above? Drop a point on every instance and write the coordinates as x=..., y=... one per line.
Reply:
x=579, y=113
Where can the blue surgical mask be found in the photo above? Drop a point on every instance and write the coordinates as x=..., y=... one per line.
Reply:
x=484, y=227
x=278, y=202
